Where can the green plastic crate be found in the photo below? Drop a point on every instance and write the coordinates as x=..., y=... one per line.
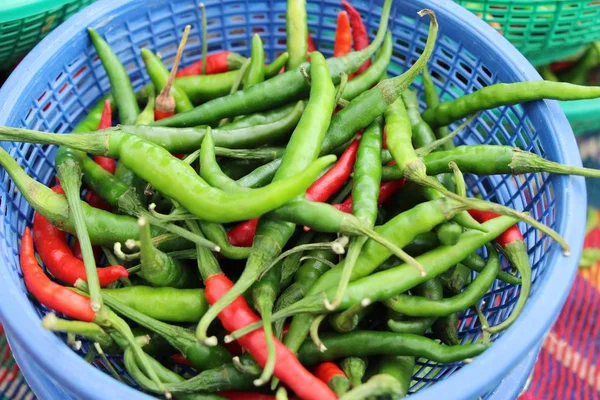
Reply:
x=543, y=30
x=23, y=23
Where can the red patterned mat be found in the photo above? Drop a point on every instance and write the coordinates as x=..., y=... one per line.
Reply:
x=567, y=367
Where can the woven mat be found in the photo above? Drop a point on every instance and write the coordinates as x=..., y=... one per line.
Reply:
x=567, y=364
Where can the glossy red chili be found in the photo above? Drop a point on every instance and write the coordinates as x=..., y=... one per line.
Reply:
x=343, y=36
x=49, y=293
x=287, y=367
x=54, y=251
x=386, y=190
x=359, y=33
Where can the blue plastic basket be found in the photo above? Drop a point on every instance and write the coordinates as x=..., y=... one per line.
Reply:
x=61, y=79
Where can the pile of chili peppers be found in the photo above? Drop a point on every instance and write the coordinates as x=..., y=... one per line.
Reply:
x=307, y=217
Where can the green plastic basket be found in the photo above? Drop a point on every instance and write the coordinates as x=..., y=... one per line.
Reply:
x=543, y=30
x=23, y=23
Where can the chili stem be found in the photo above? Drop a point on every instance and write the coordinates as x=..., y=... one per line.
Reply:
x=459, y=179
x=353, y=254
x=314, y=332
x=69, y=173
x=337, y=246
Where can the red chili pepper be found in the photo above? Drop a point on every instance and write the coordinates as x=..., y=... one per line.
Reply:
x=54, y=250
x=561, y=65
x=332, y=181
x=215, y=64
x=512, y=234
x=343, y=36
x=287, y=367
x=243, y=233
x=359, y=33
x=76, y=250
x=180, y=359
x=310, y=44
x=108, y=164
x=386, y=190
x=326, y=371
x=49, y=293
x=246, y=396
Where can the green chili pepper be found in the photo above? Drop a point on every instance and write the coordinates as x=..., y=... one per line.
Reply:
x=433, y=100
x=290, y=264
x=399, y=368
x=159, y=74
x=368, y=78
x=217, y=234
x=431, y=289
x=264, y=294
x=119, y=80
x=499, y=160
x=175, y=382
x=262, y=118
x=281, y=89
x=445, y=329
x=146, y=117
x=381, y=385
x=273, y=69
x=200, y=356
x=505, y=94
x=418, y=306
x=158, y=268
x=256, y=70
x=308, y=273
x=189, y=139
x=348, y=320
x=163, y=304
x=297, y=32
x=374, y=343
x=365, y=192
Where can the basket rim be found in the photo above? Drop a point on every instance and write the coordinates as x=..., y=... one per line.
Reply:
x=18, y=9
x=488, y=369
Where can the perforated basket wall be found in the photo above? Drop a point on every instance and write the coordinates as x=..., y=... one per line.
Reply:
x=20, y=31
x=69, y=79
x=543, y=30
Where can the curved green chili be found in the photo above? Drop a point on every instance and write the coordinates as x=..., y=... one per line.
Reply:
x=432, y=290
x=158, y=268
x=193, y=193
x=400, y=368
x=417, y=306
x=365, y=192
x=163, y=304
x=256, y=70
x=373, y=343
x=505, y=94
x=119, y=80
